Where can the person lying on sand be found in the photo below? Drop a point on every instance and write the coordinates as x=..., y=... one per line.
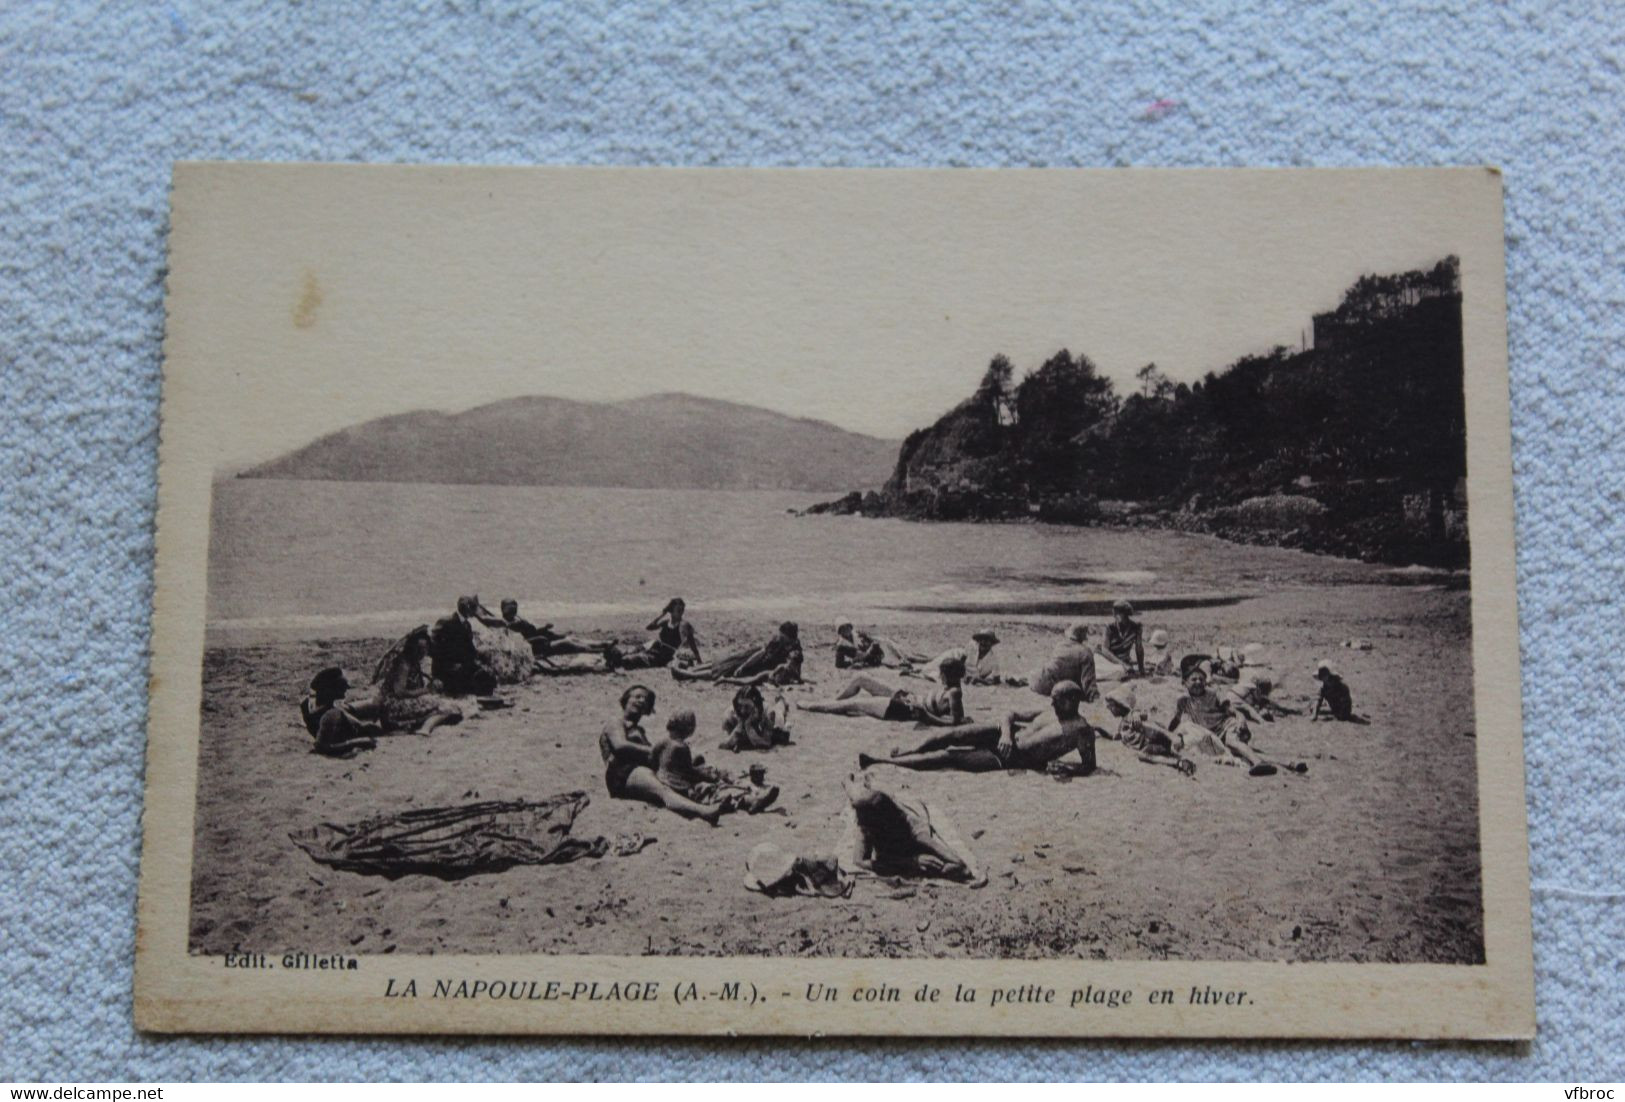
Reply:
x=672, y=634
x=1251, y=695
x=1150, y=743
x=679, y=770
x=756, y=723
x=1124, y=643
x=865, y=696
x=857, y=650
x=408, y=701
x=629, y=762
x=1334, y=696
x=1072, y=660
x=1025, y=740
x=1215, y=729
x=984, y=668
x=894, y=835
x=544, y=641
x=341, y=727
x=776, y=662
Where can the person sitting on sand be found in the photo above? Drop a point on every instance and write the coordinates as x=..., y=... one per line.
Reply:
x=1334, y=696
x=408, y=701
x=857, y=650
x=341, y=727
x=1150, y=743
x=893, y=835
x=544, y=641
x=453, y=659
x=678, y=769
x=1024, y=740
x=866, y=696
x=1072, y=660
x=756, y=723
x=1215, y=729
x=629, y=763
x=777, y=662
x=1124, y=643
x=1160, y=660
x=672, y=634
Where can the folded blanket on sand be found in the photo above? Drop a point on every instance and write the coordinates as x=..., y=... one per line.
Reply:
x=453, y=842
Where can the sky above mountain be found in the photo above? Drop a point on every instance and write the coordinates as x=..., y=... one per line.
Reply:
x=872, y=301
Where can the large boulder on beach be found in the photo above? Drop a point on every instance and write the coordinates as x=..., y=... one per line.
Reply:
x=504, y=652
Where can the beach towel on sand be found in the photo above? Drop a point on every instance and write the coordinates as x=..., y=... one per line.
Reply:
x=453, y=842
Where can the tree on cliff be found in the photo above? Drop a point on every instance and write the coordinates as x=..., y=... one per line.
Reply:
x=1370, y=422
x=1058, y=407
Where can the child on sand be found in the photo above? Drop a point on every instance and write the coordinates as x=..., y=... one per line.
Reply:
x=1025, y=740
x=1151, y=744
x=757, y=723
x=865, y=696
x=1334, y=695
x=629, y=763
x=679, y=770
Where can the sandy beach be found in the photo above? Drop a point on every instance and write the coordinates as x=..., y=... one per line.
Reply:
x=1372, y=856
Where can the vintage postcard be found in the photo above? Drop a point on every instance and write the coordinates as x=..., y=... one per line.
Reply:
x=636, y=601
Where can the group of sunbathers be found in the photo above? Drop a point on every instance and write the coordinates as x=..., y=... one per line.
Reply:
x=1224, y=696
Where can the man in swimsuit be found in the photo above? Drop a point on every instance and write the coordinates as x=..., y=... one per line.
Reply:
x=544, y=641
x=1025, y=740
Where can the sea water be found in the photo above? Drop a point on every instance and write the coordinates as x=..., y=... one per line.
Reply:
x=341, y=557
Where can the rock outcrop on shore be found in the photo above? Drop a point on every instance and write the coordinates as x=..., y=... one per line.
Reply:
x=1355, y=447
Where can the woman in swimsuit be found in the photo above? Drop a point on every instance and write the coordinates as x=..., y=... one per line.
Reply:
x=865, y=696
x=673, y=634
x=407, y=700
x=629, y=762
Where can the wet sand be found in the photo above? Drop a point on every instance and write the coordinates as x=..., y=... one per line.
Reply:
x=1373, y=856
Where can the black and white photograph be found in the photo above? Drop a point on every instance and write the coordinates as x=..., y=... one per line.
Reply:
x=963, y=567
